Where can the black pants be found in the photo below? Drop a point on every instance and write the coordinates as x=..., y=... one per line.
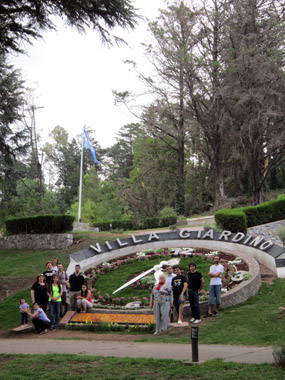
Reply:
x=40, y=325
x=24, y=318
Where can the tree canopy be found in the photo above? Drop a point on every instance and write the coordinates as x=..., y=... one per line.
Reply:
x=22, y=21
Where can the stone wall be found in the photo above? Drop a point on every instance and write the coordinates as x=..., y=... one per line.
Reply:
x=269, y=231
x=37, y=241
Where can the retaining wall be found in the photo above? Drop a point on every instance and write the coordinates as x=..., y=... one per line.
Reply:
x=37, y=241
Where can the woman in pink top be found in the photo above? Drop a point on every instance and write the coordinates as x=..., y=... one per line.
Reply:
x=84, y=301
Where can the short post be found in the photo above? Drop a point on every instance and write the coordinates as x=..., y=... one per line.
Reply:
x=194, y=342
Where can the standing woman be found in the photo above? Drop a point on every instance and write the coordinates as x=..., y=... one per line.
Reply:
x=39, y=292
x=161, y=300
x=54, y=293
x=84, y=301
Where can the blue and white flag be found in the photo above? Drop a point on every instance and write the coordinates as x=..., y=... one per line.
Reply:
x=88, y=145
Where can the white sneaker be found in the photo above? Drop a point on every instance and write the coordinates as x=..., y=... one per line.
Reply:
x=192, y=320
x=197, y=321
x=179, y=322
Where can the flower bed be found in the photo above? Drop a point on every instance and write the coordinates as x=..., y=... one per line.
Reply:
x=129, y=318
x=231, y=264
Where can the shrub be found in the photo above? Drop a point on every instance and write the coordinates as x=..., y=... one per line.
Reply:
x=41, y=224
x=232, y=220
x=168, y=221
x=279, y=355
x=167, y=211
x=267, y=212
x=281, y=234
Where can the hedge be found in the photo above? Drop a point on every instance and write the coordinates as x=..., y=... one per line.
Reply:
x=146, y=223
x=40, y=224
x=232, y=220
x=238, y=220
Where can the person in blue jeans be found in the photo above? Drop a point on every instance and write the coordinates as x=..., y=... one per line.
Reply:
x=216, y=275
x=195, y=285
x=54, y=293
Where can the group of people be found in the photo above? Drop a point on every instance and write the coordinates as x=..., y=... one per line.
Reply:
x=50, y=292
x=171, y=293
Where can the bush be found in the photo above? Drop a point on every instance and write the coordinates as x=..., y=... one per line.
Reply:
x=237, y=220
x=232, y=220
x=168, y=221
x=41, y=224
x=281, y=234
x=279, y=355
x=167, y=211
x=146, y=223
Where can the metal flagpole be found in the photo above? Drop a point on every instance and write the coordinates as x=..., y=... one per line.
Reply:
x=80, y=182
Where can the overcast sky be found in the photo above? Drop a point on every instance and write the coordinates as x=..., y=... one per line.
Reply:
x=74, y=75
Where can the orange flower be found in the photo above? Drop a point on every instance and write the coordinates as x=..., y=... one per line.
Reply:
x=114, y=318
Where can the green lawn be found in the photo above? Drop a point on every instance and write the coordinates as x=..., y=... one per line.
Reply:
x=255, y=322
x=111, y=281
x=54, y=367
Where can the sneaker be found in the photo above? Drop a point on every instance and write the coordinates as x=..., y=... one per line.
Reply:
x=179, y=322
x=156, y=332
x=197, y=321
x=216, y=313
x=51, y=327
x=192, y=320
x=208, y=315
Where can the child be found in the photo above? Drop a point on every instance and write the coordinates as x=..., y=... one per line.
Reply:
x=39, y=319
x=23, y=310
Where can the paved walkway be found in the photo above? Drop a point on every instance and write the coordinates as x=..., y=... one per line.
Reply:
x=239, y=354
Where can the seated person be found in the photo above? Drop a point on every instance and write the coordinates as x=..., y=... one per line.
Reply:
x=84, y=301
x=39, y=319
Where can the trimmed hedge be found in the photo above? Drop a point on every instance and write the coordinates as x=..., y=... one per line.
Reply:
x=238, y=220
x=232, y=220
x=146, y=223
x=41, y=224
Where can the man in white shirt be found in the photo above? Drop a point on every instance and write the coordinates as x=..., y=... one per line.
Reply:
x=169, y=276
x=216, y=274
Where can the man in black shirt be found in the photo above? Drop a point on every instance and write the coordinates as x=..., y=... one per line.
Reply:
x=179, y=286
x=195, y=285
x=76, y=280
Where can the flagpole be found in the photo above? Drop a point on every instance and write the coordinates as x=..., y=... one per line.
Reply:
x=80, y=181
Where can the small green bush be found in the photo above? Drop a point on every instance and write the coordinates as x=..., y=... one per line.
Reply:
x=167, y=211
x=279, y=355
x=281, y=234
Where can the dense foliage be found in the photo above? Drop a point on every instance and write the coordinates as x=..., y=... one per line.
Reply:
x=41, y=224
x=212, y=132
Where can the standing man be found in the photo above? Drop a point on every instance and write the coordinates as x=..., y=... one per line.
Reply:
x=179, y=286
x=195, y=285
x=49, y=273
x=169, y=276
x=63, y=280
x=216, y=274
x=76, y=280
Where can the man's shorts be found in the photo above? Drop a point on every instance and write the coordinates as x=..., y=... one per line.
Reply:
x=215, y=294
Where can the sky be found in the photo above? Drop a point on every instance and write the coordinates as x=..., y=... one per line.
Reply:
x=73, y=76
